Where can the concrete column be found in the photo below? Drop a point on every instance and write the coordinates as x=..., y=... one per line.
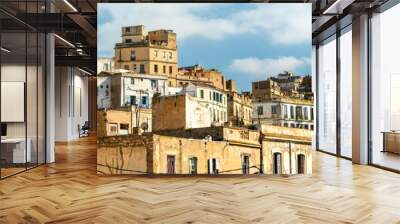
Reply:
x=50, y=98
x=360, y=90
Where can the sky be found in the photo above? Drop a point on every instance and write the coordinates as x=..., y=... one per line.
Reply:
x=246, y=41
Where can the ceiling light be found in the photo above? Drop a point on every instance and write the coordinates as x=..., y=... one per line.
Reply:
x=86, y=72
x=70, y=5
x=64, y=40
x=5, y=50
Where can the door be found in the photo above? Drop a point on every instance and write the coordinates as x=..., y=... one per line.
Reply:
x=301, y=164
x=277, y=163
x=246, y=165
x=193, y=165
x=171, y=164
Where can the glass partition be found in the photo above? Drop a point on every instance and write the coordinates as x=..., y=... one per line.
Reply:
x=346, y=92
x=385, y=89
x=327, y=95
x=22, y=101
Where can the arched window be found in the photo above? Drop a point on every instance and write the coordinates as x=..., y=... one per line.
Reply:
x=301, y=159
x=277, y=163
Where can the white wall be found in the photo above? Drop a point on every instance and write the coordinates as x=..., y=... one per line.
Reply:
x=71, y=103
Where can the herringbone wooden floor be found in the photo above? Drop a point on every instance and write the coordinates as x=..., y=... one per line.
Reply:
x=69, y=191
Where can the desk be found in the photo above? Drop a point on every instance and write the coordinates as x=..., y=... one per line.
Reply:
x=13, y=150
x=391, y=141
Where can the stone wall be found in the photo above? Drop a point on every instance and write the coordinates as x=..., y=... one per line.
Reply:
x=290, y=142
x=289, y=152
x=229, y=156
x=126, y=154
x=216, y=133
x=169, y=112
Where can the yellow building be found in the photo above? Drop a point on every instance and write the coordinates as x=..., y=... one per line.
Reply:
x=286, y=150
x=236, y=151
x=240, y=107
x=123, y=121
x=143, y=52
x=196, y=106
x=213, y=150
x=198, y=74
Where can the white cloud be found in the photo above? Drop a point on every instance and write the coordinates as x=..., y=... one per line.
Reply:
x=282, y=23
x=267, y=67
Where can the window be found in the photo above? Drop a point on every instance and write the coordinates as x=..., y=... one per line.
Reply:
x=327, y=95
x=246, y=164
x=142, y=71
x=213, y=166
x=127, y=29
x=312, y=114
x=144, y=100
x=170, y=55
x=274, y=109
x=134, y=67
x=299, y=115
x=170, y=69
x=305, y=113
x=105, y=67
x=292, y=115
x=124, y=129
x=126, y=67
x=285, y=111
x=260, y=110
x=132, y=100
x=133, y=55
x=128, y=41
x=277, y=163
x=132, y=81
x=154, y=84
x=164, y=69
x=193, y=165
x=301, y=159
x=170, y=164
x=346, y=94
x=155, y=68
x=155, y=53
x=385, y=88
x=164, y=54
x=202, y=94
x=113, y=129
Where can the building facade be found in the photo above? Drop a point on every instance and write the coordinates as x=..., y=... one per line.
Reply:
x=286, y=150
x=105, y=64
x=118, y=89
x=237, y=151
x=284, y=111
x=195, y=106
x=123, y=121
x=240, y=109
x=284, y=100
x=143, y=52
x=198, y=74
x=212, y=150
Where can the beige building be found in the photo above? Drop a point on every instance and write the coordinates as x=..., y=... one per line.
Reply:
x=284, y=100
x=214, y=150
x=196, y=106
x=105, y=64
x=240, y=107
x=118, y=89
x=198, y=74
x=286, y=150
x=123, y=121
x=237, y=151
x=154, y=52
x=181, y=111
